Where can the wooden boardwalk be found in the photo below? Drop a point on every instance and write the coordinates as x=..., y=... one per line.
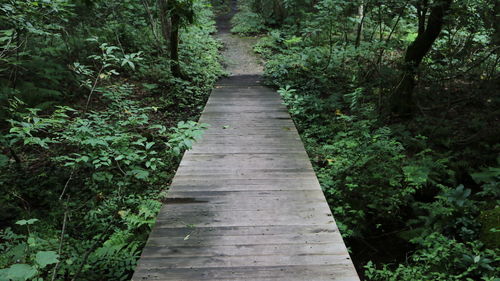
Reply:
x=245, y=203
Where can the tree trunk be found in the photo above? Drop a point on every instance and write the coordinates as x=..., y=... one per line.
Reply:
x=402, y=100
x=359, y=31
x=422, y=7
x=174, y=46
x=166, y=26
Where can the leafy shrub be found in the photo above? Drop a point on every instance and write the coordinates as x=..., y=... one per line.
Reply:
x=25, y=256
x=247, y=22
x=441, y=258
x=87, y=168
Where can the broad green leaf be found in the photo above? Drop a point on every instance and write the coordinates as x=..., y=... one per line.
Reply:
x=4, y=273
x=44, y=258
x=18, y=251
x=21, y=272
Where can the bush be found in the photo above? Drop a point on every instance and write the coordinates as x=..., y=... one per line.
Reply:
x=247, y=22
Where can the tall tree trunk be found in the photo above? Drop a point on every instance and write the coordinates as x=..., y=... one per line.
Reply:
x=402, y=100
x=174, y=46
x=361, y=18
x=422, y=7
x=166, y=25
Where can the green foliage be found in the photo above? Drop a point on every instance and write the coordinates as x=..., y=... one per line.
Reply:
x=441, y=258
x=183, y=8
x=25, y=254
x=247, y=22
x=184, y=135
x=20, y=272
x=408, y=188
x=91, y=129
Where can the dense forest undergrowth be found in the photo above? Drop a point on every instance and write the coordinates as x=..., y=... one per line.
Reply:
x=398, y=105
x=396, y=101
x=98, y=101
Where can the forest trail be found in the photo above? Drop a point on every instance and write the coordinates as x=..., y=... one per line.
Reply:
x=245, y=203
x=239, y=58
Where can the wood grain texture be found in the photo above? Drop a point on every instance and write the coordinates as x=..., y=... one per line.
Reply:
x=245, y=203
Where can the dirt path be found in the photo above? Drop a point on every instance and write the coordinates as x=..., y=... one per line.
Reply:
x=239, y=58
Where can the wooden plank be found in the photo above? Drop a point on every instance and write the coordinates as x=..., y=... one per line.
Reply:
x=243, y=230
x=263, y=161
x=215, y=219
x=245, y=199
x=243, y=174
x=179, y=182
x=201, y=242
x=244, y=250
x=268, y=205
x=240, y=261
x=242, y=187
x=248, y=195
x=236, y=149
x=335, y=272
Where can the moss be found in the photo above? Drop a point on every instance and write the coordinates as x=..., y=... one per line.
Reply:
x=490, y=219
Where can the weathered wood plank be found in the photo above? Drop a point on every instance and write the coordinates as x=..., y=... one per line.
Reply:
x=243, y=230
x=242, y=187
x=208, y=219
x=237, y=261
x=246, y=197
x=236, y=149
x=310, y=182
x=201, y=242
x=254, y=273
x=245, y=250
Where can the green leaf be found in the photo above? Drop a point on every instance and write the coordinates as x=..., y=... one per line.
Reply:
x=31, y=241
x=140, y=174
x=188, y=144
x=25, y=222
x=150, y=86
x=477, y=259
x=18, y=251
x=3, y=273
x=21, y=272
x=44, y=258
x=149, y=145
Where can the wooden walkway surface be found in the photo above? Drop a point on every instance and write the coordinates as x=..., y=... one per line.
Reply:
x=245, y=203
